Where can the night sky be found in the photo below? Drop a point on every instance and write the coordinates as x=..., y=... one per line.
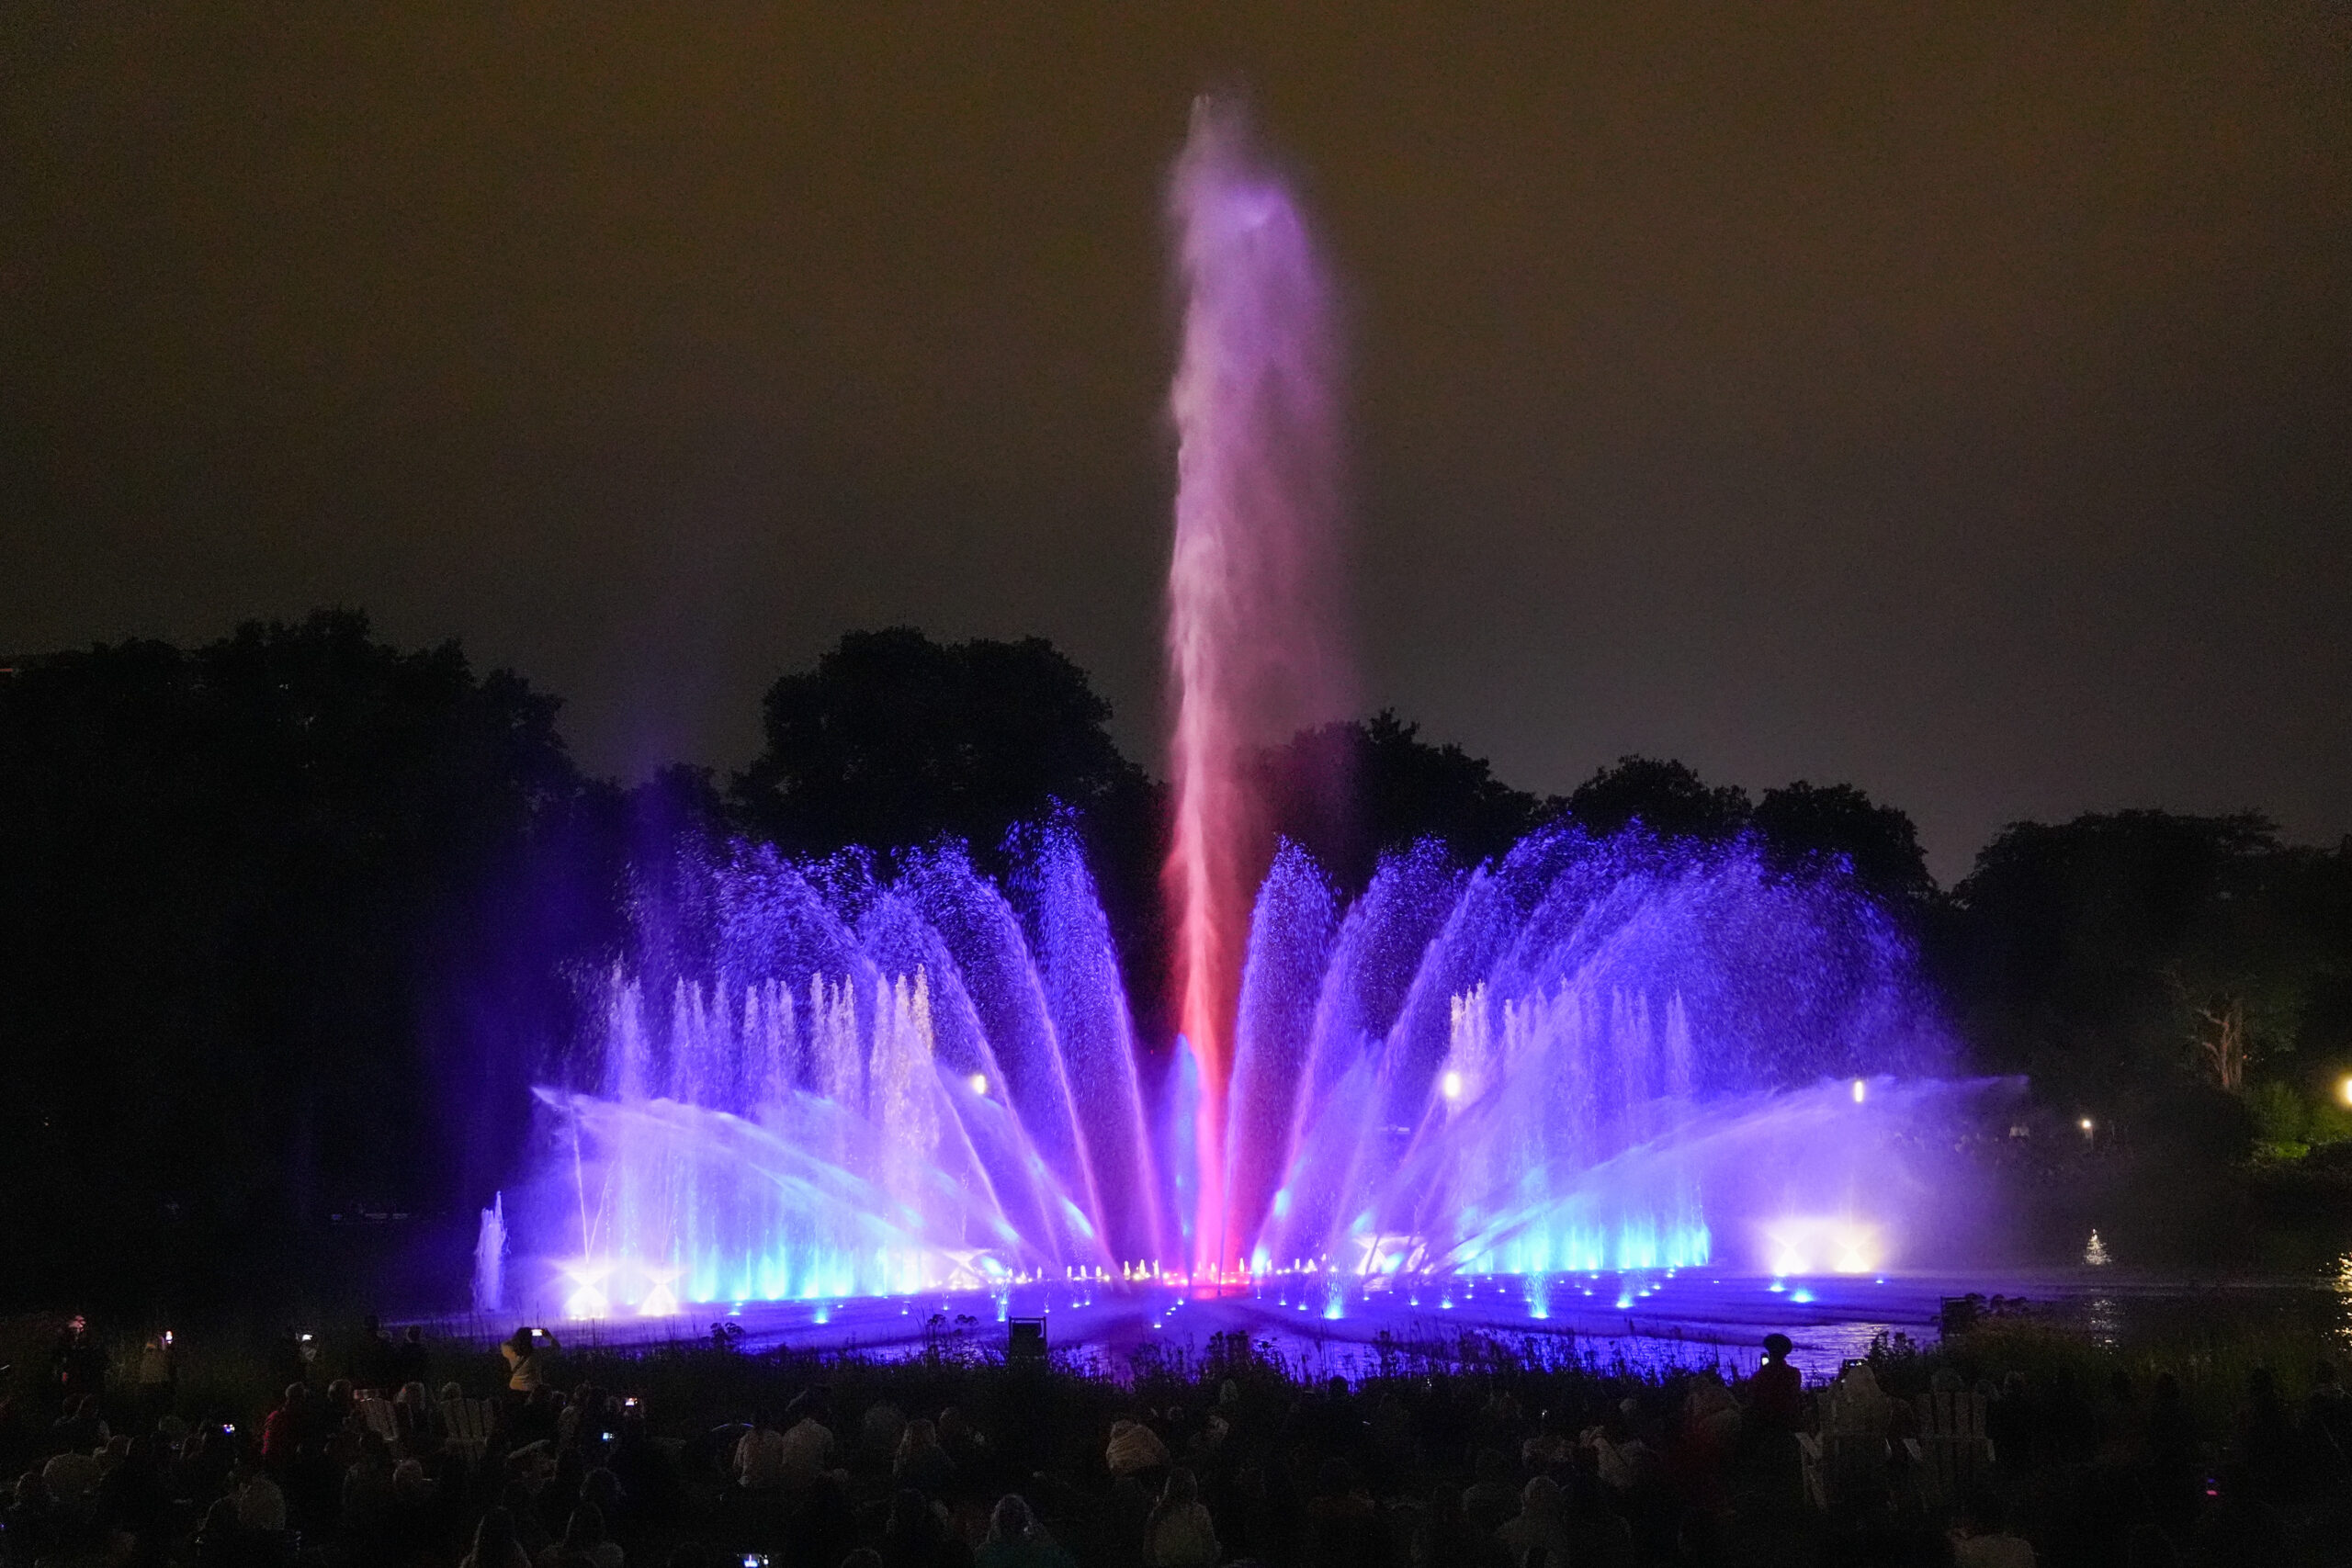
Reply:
x=1955, y=401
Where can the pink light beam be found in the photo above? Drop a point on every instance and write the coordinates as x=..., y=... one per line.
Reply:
x=1253, y=645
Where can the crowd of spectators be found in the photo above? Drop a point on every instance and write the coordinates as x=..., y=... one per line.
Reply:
x=561, y=1464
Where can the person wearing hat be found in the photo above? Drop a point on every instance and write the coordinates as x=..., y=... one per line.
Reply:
x=1775, y=1393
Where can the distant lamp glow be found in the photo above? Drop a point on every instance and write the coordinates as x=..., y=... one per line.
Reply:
x=2344, y=1089
x=979, y=1083
x=2085, y=1125
x=1452, y=1084
x=1861, y=1091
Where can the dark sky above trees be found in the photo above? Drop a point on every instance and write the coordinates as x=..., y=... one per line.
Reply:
x=1957, y=401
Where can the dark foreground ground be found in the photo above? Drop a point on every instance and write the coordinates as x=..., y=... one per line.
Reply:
x=2214, y=1445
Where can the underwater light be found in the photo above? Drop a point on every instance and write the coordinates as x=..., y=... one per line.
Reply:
x=587, y=1298
x=979, y=1083
x=1452, y=1084
x=1825, y=1244
x=1861, y=1092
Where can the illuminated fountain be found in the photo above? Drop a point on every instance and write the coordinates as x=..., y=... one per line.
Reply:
x=815, y=1083
x=1598, y=1054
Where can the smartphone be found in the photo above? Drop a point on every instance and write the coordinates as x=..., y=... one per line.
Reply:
x=167, y=1337
x=630, y=1402
x=227, y=1428
x=755, y=1560
x=538, y=1334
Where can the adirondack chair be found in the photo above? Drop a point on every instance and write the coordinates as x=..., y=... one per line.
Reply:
x=382, y=1418
x=1951, y=1448
x=468, y=1423
x=1847, y=1458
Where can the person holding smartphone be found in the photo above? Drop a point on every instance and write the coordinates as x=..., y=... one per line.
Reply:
x=527, y=1354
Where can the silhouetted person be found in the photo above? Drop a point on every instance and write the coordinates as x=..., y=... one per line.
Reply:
x=1015, y=1538
x=920, y=1462
x=914, y=1536
x=494, y=1544
x=1180, y=1533
x=1492, y=1496
x=78, y=1364
x=411, y=1362
x=1775, y=1393
x=527, y=1353
x=369, y=1363
x=1342, y=1526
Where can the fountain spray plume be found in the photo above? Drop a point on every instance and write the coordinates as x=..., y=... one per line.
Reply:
x=1252, y=643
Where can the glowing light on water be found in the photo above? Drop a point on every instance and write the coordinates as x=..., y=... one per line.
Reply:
x=1861, y=1091
x=1824, y=1244
x=587, y=1298
x=979, y=1083
x=1452, y=1085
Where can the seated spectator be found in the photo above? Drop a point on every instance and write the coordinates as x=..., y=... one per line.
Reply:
x=30, y=1522
x=1180, y=1533
x=1134, y=1449
x=1015, y=1539
x=81, y=1428
x=807, y=1446
x=494, y=1543
x=415, y=1511
x=760, y=1456
x=1492, y=1496
x=585, y=1543
x=879, y=1431
x=1542, y=1525
x=916, y=1535
x=261, y=1507
x=921, y=1463
x=1979, y=1541
x=1598, y=1536
x=1342, y=1526
x=1442, y=1538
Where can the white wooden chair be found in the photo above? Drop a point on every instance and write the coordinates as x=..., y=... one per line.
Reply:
x=1952, y=1449
x=1848, y=1457
x=468, y=1424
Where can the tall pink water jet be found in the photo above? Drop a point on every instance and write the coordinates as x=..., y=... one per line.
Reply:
x=1252, y=633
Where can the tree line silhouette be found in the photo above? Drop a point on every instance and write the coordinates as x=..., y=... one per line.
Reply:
x=290, y=920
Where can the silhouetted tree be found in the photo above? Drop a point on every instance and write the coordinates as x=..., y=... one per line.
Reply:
x=1811, y=825
x=2115, y=948
x=1664, y=797
x=893, y=740
x=1350, y=792
x=260, y=903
